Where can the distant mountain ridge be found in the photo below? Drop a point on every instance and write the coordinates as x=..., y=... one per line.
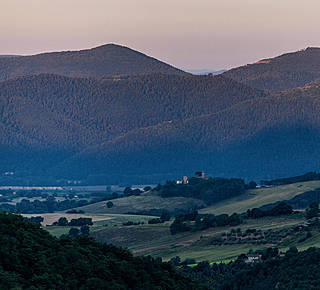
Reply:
x=49, y=118
x=284, y=72
x=111, y=114
x=105, y=60
x=282, y=130
x=205, y=71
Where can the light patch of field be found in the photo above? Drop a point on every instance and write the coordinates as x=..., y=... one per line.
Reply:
x=49, y=218
x=100, y=222
x=209, y=253
x=259, y=197
x=144, y=202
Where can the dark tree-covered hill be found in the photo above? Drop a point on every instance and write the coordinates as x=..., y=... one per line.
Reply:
x=47, y=118
x=273, y=136
x=284, y=72
x=292, y=270
x=30, y=258
x=106, y=60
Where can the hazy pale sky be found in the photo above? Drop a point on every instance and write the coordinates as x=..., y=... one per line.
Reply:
x=197, y=34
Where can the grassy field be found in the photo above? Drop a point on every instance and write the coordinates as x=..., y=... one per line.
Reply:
x=157, y=241
x=100, y=221
x=261, y=196
x=144, y=202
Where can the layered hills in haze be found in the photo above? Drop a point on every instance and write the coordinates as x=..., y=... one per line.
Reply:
x=111, y=113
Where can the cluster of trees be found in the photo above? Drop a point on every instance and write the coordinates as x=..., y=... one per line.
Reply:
x=294, y=270
x=84, y=230
x=197, y=222
x=63, y=222
x=209, y=190
x=252, y=236
x=47, y=262
x=313, y=210
x=165, y=216
x=37, y=206
x=282, y=208
x=128, y=191
x=35, y=219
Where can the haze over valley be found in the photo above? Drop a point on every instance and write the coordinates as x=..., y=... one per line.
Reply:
x=168, y=145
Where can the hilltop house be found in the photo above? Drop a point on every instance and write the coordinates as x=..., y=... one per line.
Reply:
x=253, y=258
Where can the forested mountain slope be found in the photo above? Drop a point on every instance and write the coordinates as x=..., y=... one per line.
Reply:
x=30, y=258
x=53, y=117
x=105, y=60
x=272, y=136
x=284, y=72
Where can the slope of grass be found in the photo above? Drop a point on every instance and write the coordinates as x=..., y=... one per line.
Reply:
x=261, y=196
x=157, y=241
x=144, y=202
x=100, y=221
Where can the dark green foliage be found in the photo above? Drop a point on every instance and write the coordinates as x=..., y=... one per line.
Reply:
x=128, y=191
x=313, y=210
x=35, y=219
x=74, y=222
x=80, y=222
x=155, y=221
x=296, y=270
x=30, y=258
x=281, y=208
x=74, y=232
x=37, y=206
x=209, y=190
x=109, y=204
x=85, y=230
x=251, y=185
x=197, y=222
x=165, y=216
x=62, y=222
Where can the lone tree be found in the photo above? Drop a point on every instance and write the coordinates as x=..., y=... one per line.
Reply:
x=62, y=222
x=109, y=204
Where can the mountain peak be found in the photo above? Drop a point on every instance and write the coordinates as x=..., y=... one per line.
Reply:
x=105, y=60
x=284, y=72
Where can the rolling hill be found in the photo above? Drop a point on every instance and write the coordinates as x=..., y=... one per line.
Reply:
x=46, y=262
x=113, y=113
x=105, y=60
x=48, y=118
x=284, y=72
x=260, y=137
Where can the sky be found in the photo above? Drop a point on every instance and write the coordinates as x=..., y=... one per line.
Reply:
x=189, y=34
